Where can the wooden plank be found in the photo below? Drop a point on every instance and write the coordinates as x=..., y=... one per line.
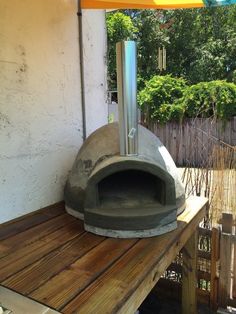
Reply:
x=123, y=287
x=36, y=274
x=181, y=148
x=225, y=260
x=199, y=133
x=31, y=235
x=61, y=289
x=185, y=157
x=189, y=275
x=227, y=223
x=173, y=143
x=234, y=268
x=27, y=255
x=233, y=130
x=28, y=221
x=215, y=241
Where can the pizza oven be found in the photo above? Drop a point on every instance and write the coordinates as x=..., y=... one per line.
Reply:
x=124, y=182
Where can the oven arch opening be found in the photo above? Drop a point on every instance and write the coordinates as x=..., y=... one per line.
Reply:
x=130, y=188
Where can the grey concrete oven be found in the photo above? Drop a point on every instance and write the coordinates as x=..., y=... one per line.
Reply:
x=124, y=182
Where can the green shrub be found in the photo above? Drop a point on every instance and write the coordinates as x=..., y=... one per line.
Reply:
x=177, y=112
x=206, y=99
x=165, y=98
x=159, y=95
x=167, y=112
x=162, y=114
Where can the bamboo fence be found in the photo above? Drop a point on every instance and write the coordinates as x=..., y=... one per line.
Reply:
x=205, y=149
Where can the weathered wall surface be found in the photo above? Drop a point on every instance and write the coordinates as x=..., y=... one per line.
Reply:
x=94, y=42
x=40, y=100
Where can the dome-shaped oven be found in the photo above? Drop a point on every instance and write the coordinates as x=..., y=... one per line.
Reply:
x=124, y=196
x=124, y=182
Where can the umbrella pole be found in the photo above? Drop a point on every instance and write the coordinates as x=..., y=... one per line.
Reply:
x=82, y=69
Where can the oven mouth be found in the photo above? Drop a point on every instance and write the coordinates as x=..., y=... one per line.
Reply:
x=126, y=182
x=127, y=197
x=130, y=189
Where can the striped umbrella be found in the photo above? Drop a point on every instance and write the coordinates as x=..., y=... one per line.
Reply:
x=152, y=4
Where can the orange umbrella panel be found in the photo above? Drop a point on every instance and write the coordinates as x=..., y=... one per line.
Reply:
x=152, y=4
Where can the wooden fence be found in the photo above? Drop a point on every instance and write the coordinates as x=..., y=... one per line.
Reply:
x=216, y=268
x=206, y=149
x=190, y=143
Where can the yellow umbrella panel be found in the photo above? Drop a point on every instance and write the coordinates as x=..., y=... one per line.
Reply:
x=151, y=4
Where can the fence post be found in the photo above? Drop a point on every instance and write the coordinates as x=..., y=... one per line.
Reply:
x=225, y=259
x=189, y=275
x=215, y=254
x=234, y=268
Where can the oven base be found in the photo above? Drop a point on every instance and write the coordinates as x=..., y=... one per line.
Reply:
x=74, y=212
x=132, y=233
x=116, y=233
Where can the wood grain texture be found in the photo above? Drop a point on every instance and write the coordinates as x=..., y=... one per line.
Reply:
x=225, y=260
x=28, y=254
x=225, y=270
x=25, y=238
x=201, y=133
x=234, y=270
x=33, y=219
x=36, y=274
x=126, y=284
x=61, y=289
x=215, y=240
x=76, y=272
x=189, y=276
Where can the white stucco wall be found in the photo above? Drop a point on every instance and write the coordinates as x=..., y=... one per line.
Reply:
x=40, y=100
x=95, y=72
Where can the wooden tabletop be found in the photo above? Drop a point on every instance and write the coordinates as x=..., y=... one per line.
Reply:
x=49, y=257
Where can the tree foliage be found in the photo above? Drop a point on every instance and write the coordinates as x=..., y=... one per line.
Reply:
x=200, y=43
x=119, y=27
x=149, y=38
x=201, y=58
x=203, y=44
x=165, y=98
x=205, y=99
x=159, y=96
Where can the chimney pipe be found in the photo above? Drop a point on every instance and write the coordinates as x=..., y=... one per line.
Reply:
x=127, y=97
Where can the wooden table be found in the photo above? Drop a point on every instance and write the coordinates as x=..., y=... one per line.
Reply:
x=49, y=257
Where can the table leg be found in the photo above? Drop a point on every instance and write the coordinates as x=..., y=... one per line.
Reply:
x=189, y=277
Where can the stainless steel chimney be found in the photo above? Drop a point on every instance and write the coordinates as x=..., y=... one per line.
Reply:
x=127, y=97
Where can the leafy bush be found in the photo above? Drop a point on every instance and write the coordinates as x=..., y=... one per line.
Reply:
x=162, y=114
x=206, y=99
x=168, y=112
x=165, y=98
x=177, y=112
x=159, y=95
